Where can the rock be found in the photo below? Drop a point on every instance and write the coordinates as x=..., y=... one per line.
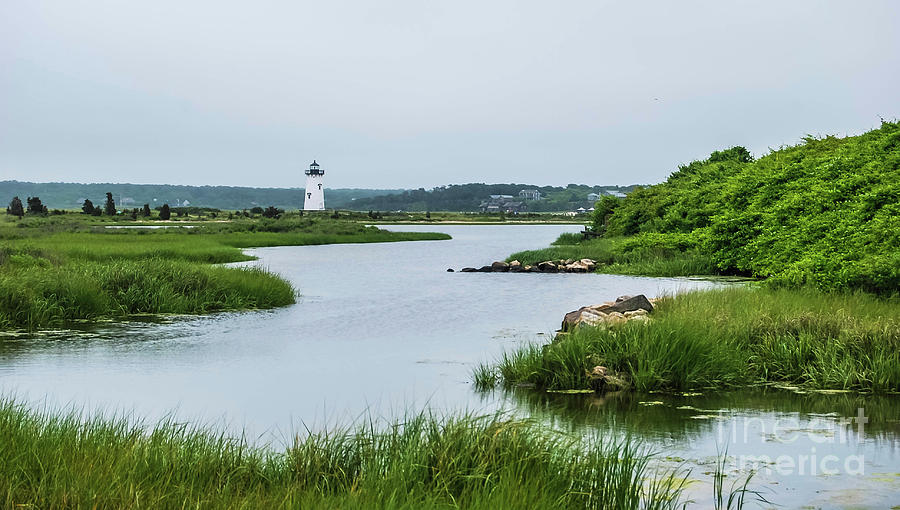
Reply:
x=602, y=380
x=515, y=263
x=486, y=269
x=586, y=316
x=608, y=314
x=623, y=298
x=577, y=267
x=615, y=383
x=571, y=319
x=567, y=261
x=631, y=303
x=615, y=318
x=468, y=270
x=547, y=267
x=499, y=267
x=592, y=318
x=589, y=264
x=530, y=269
x=449, y=269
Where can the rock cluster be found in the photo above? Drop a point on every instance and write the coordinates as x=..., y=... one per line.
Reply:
x=623, y=309
x=620, y=311
x=548, y=266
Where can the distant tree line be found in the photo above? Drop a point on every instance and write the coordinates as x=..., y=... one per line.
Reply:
x=462, y=197
x=71, y=195
x=36, y=207
x=468, y=198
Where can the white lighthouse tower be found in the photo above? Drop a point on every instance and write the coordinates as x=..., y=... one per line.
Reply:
x=315, y=192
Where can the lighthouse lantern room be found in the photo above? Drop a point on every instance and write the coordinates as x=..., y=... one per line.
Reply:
x=315, y=192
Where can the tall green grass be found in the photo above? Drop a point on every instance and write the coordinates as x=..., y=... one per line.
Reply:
x=52, y=460
x=40, y=297
x=727, y=337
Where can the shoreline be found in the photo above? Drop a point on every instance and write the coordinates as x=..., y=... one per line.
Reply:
x=61, y=271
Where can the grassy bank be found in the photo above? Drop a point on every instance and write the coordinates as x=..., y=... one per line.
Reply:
x=648, y=255
x=818, y=220
x=49, y=460
x=62, y=269
x=730, y=337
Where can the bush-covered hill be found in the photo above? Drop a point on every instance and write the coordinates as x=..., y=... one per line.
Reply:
x=824, y=213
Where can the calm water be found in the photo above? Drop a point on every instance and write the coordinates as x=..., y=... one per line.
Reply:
x=383, y=328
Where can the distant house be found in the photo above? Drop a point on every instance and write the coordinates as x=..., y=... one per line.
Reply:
x=593, y=197
x=530, y=194
x=502, y=203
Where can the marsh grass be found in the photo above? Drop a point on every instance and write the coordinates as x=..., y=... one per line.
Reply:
x=628, y=256
x=739, y=490
x=58, y=460
x=50, y=276
x=726, y=338
x=48, y=297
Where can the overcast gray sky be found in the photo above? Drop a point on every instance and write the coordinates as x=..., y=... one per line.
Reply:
x=424, y=93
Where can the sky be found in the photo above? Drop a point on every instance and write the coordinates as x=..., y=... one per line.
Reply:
x=409, y=94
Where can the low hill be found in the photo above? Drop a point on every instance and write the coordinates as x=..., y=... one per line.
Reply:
x=824, y=213
x=67, y=195
x=468, y=197
x=462, y=197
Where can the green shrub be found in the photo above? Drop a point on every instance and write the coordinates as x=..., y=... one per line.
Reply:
x=825, y=213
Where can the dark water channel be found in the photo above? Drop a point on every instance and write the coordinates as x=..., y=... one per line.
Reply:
x=383, y=329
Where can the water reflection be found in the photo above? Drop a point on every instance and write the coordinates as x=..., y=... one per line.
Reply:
x=803, y=448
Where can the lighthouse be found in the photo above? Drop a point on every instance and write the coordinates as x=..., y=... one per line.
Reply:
x=315, y=194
